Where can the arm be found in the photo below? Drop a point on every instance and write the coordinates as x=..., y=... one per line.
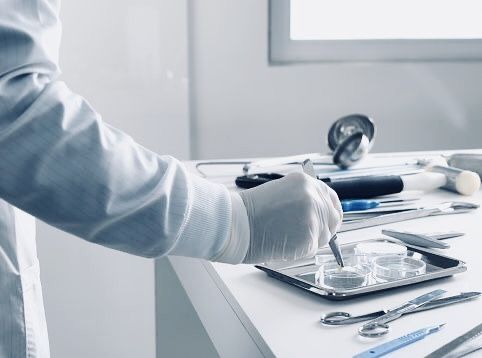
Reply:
x=62, y=164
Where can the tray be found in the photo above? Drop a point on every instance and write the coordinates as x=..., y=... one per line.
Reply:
x=302, y=273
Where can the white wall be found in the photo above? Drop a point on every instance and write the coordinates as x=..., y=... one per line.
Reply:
x=129, y=60
x=241, y=106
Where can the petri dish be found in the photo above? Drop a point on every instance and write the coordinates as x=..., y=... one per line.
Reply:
x=342, y=278
x=328, y=257
x=321, y=259
x=395, y=267
x=367, y=251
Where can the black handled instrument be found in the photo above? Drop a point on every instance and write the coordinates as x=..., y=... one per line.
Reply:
x=354, y=188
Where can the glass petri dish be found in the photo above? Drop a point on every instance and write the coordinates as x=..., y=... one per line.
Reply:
x=395, y=267
x=328, y=257
x=368, y=251
x=342, y=278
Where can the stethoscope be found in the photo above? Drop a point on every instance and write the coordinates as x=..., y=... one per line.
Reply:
x=350, y=138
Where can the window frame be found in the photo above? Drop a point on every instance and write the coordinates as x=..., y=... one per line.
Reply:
x=283, y=50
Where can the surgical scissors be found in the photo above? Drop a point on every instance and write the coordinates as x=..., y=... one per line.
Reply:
x=378, y=326
x=344, y=318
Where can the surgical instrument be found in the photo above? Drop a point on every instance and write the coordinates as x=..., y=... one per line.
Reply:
x=457, y=342
x=350, y=138
x=444, y=235
x=336, y=250
x=366, y=187
x=356, y=205
x=446, y=208
x=379, y=327
x=344, y=318
x=307, y=166
x=460, y=181
x=416, y=239
x=354, y=188
x=393, y=345
x=377, y=205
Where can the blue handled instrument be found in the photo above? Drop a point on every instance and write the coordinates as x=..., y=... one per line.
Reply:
x=357, y=205
x=398, y=343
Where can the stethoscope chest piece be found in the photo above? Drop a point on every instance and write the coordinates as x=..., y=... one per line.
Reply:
x=350, y=138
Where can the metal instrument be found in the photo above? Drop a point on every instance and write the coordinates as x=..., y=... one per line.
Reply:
x=350, y=138
x=336, y=250
x=458, y=342
x=453, y=207
x=344, y=318
x=416, y=239
x=379, y=327
x=308, y=169
x=400, y=342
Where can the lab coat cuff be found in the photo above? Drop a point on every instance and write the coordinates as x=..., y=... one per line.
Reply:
x=207, y=222
x=236, y=247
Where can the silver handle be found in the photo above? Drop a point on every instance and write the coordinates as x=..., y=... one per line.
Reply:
x=387, y=219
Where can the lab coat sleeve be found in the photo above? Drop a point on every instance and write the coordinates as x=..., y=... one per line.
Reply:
x=61, y=163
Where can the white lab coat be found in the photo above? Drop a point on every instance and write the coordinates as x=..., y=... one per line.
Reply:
x=60, y=163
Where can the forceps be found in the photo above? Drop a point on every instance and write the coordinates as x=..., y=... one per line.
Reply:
x=453, y=207
x=308, y=169
x=344, y=318
x=378, y=326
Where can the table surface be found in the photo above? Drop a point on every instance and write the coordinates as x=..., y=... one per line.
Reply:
x=284, y=320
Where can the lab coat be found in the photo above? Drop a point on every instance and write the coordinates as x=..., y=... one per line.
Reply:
x=61, y=163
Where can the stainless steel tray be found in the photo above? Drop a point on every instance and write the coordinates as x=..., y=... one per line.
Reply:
x=302, y=273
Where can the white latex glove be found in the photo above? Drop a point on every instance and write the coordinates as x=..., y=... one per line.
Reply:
x=285, y=219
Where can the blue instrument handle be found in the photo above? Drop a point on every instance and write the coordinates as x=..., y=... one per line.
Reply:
x=397, y=343
x=356, y=205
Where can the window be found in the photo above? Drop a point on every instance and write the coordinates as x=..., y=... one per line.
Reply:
x=375, y=30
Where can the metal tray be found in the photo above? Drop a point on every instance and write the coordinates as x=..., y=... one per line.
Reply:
x=302, y=273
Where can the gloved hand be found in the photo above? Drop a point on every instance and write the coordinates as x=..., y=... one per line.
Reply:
x=287, y=219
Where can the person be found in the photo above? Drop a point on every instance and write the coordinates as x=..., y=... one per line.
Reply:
x=62, y=164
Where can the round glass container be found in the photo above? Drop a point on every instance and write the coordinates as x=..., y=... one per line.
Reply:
x=395, y=267
x=368, y=251
x=333, y=276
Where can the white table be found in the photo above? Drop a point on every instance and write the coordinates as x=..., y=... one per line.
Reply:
x=248, y=314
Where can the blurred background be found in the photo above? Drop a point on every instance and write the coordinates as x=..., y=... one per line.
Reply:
x=194, y=79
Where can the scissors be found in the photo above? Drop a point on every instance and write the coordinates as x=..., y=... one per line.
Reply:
x=344, y=318
x=377, y=325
